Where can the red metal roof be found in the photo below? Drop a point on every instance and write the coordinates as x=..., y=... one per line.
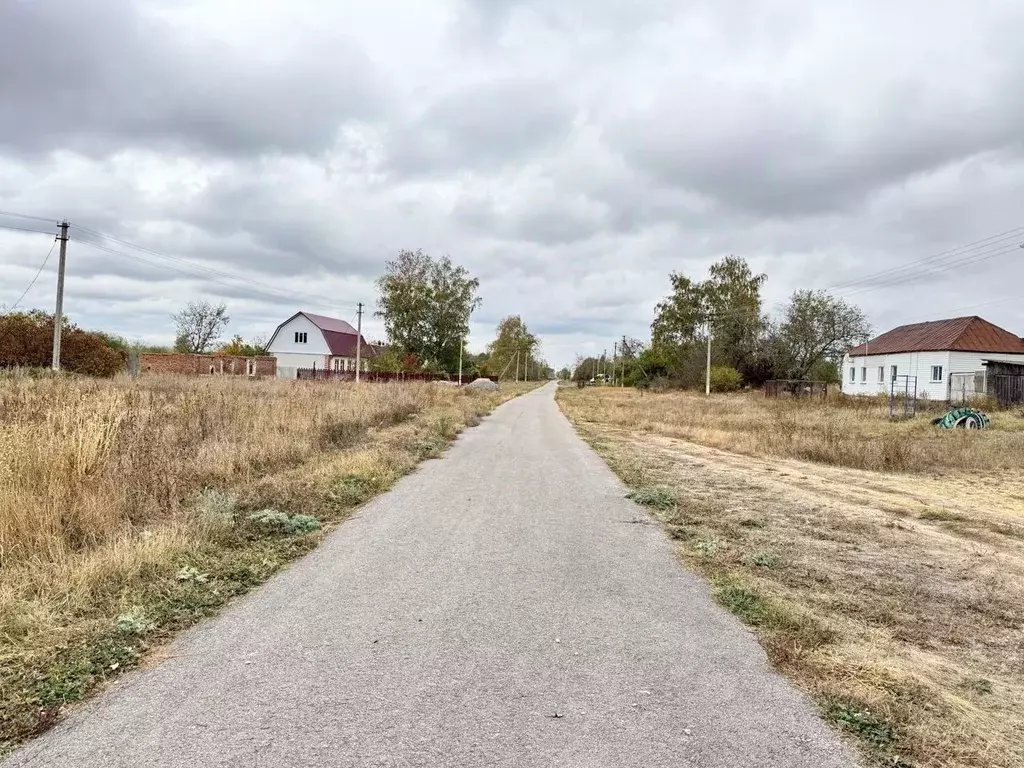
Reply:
x=960, y=334
x=330, y=324
x=344, y=345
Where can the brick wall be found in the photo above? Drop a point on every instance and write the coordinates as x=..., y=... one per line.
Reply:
x=203, y=365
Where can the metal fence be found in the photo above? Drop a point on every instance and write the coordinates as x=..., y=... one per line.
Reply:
x=326, y=374
x=795, y=388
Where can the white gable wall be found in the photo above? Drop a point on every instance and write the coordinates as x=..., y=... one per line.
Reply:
x=917, y=364
x=291, y=354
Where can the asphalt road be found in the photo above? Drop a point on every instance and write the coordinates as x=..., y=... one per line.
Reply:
x=502, y=606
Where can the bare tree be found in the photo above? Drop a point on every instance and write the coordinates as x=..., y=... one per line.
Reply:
x=199, y=325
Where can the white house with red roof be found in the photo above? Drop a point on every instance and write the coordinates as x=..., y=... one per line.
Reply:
x=306, y=340
x=932, y=354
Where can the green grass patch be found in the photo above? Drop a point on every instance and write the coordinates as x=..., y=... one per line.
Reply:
x=655, y=497
x=787, y=634
x=943, y=515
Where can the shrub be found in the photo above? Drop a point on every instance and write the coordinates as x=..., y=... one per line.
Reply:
x=134, y=622
x=270, y=521
x=26, y=340
x=724, y=378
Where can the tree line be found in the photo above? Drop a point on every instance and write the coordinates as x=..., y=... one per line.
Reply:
x=806, y=339
x=425, y=303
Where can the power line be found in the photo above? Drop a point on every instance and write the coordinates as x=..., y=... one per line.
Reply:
x=26, y=216
x=308, y=300
x=38, y=273
x=265, y=287
x=965, y=260
x=23, y=229
x=1015, y=234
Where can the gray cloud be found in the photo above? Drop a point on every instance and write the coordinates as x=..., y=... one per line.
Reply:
x=98, y=76
x=483, y=125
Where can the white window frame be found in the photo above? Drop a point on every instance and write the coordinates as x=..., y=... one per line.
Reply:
x=939, y=369
x=881, y=374
x=863, y=374
x=853, y=374
x=894, y=371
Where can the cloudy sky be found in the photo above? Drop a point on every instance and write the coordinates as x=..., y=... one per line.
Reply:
x=275, y=154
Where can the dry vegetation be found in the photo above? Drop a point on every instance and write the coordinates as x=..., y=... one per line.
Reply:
x=130, y=509
x=895, y=598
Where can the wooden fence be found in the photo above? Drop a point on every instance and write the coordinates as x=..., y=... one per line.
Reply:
x=1007, y=389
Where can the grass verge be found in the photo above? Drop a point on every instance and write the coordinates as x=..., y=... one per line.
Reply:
x=892, y=598
x=130, y=510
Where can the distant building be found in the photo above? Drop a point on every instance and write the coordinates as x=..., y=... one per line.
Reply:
x=937, y=353
x=306, y=340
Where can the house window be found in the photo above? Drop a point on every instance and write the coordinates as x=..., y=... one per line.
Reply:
x=936, y=373
x=864, y=374
x=853, y=375
x=337, y=363
x=893, y=370
x=301, y=338
x=881, y=374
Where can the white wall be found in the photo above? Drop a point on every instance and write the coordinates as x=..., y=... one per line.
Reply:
x=288, y=363
x=971, y=362
x=284, y=340
x=917, y=364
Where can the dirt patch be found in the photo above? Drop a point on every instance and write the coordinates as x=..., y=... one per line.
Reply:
x=894, y=599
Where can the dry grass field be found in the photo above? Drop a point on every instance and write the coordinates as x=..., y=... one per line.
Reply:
x=131, y=509
x=881, y=564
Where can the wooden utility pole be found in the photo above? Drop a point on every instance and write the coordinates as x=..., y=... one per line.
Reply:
x=58, y=317
x=359, y=339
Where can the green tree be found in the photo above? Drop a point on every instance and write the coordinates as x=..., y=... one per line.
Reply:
x=815, y=328
x=513, y=350
x=426, y=304
x=239, y=346
x=728, y=301
x=199, y=325
x=565, y=374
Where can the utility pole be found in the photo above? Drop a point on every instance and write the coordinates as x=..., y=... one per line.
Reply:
x=58, y=317
x=359, y=339
x=622, y=381
x=707, y=374
x=615, y=360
